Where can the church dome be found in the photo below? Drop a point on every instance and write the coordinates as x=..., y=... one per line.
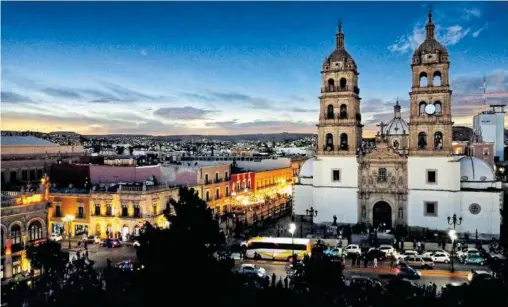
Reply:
x=397, y=126
x=307, y=170
x=430, y=44
x=340, y=55
x=474, y=169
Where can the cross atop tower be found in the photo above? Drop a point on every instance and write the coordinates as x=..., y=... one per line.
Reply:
x=382, y=125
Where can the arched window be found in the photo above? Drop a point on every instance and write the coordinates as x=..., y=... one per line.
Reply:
x=438, y=140
x=329, y=142
x=343, y=83
x=439, y=108
x=422, y=140
x=331, y=85
x=35, y=231
x=436, y=79
x=343, y=112
x=423, y=79
x=16, y=234
x=343, y=142
x=329, y=112
x=396, y=144
x=422, y=106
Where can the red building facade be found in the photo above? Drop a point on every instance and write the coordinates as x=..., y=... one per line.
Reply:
x=242, y=182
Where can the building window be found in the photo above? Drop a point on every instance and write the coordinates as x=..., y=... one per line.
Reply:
x=335, y=175
x=35, y=231
x=154, y=208
x=431, y=176
x=207, y=195
x=137, y=211
x=125, y=210
x=248, y=184
x=81, y=213
x=109, y=210
x=58, y=211
x=206, y=179
x=485, y=151
x=226, y=176
x=227, y=191
x=32, y=174
x=39, y=174
x=430, y=208
x=16, y=234
x=24, y=175
x=97, y=209
x=217, y=193
x=381, y=175
x=216, y=177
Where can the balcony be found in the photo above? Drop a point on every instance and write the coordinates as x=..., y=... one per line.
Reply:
x=217, y=180
x=336, y=89
x=80, y=215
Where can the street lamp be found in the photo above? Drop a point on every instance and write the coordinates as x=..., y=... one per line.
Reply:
x=68, y=220
x=453, y=236
x=292, y=228
x=311, y=213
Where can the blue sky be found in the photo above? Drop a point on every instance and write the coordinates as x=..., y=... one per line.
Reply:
x=230, y=67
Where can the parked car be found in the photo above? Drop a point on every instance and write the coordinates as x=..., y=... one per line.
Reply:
x=474, y=259
x=407, y=272
x=431, y=252
x=418, y=262
x=406, y=254
x=92, y=240
x=465, y=251
x=55, y=237
x=253, y=270
x=387, y=249
x=497, y=256
x=440, y=257
x=353, y=249
x=111, y=243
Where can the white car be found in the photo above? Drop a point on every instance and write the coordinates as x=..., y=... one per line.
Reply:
x=252, y=269
x=440, y=257
x=136, y=243
x=407, y=253
x=353, y=249
x=387, y=249
x=55, y=237
x=466, y=251
x=431, y=252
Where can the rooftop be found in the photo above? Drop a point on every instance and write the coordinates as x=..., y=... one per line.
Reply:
x=24, y=141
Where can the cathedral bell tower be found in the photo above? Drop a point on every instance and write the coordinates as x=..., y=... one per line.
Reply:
x=339, y=128
x=430, y=120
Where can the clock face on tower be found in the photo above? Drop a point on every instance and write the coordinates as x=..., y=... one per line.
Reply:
x=430, y=109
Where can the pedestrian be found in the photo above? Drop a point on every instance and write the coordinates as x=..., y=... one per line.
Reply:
x=274, y=280
x=392, y=262
x=353, y=261
x=365, y=262
x=375, y=263
x=286, y=282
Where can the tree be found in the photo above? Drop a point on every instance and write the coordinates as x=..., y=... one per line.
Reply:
x=182, y=257
x=46, y=256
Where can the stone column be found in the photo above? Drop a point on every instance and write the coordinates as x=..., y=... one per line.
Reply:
x=8, y=260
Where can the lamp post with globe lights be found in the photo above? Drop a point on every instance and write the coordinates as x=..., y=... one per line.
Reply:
x=453, y=220
x=68, y=220
x=292, y=229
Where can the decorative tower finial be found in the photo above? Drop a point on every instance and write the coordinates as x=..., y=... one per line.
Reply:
x=340, y=37
x=430, y=26
x=396, y=109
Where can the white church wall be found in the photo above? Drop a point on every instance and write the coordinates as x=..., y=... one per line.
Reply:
x=348, y=166
x=303, y=198
x=448, y=173
x=488, y=219
x=341, y=202
x=447, y=204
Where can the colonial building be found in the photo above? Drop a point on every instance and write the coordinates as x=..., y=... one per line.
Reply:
x=69, y=202
x=23, y=222
x=411, y=176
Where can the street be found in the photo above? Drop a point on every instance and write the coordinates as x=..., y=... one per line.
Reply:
x=127, y=252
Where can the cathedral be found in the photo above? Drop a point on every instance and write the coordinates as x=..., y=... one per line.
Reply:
x=411, y=177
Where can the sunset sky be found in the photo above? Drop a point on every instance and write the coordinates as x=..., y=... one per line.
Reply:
x=229, y=68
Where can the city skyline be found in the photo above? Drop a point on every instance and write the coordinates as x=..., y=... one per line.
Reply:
x=165, y=68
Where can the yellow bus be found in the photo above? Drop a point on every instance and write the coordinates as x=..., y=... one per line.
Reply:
x=277, y=248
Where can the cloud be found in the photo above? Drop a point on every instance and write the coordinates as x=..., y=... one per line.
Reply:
x=446, y=34
x=62, y=93
x=232, y=97
x=302, y=110
x=182, y=113
x=470, y=13
x=11, y=97
x=143, y=52
x=477, y=32
x=267, y=126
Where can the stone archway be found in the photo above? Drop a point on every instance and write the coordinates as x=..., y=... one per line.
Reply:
x=382, y=215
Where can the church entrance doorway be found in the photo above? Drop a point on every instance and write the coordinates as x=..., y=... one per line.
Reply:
x=382, y=215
